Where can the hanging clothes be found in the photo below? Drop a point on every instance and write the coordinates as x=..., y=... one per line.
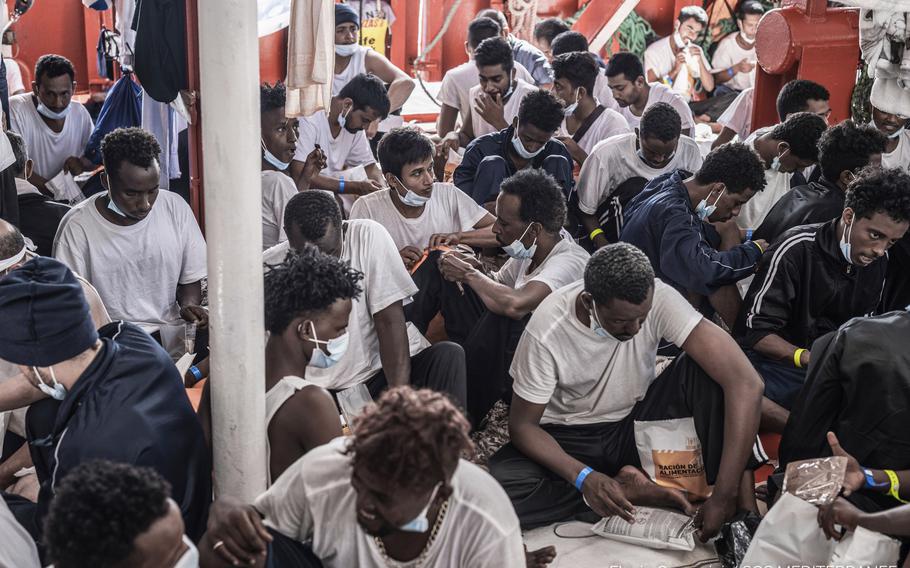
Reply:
x=160, y=58
x=165, y=124
x=311, y=57
x=122, y=108
x=124, y=12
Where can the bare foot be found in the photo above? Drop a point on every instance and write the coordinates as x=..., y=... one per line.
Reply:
x=640, y=490
x=540, y=558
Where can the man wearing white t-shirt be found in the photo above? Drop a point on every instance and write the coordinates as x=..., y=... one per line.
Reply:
x=735, y=57
x=417, y=211
x=587, y=121
x=55, y=128
x=13, y=77
x=890, y=113
x=382, y=349
x=619, y=168
x=677, y=60
x=736, y=120
x=786, y=148
x=339, y=133
x=584, y=375
x=487, y=311
x=395, y=493
x=634, y=94
x=571, y=42
x=139, y=246
x=454, y=93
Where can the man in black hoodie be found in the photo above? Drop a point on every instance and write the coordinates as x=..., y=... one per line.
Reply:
x=816, y=277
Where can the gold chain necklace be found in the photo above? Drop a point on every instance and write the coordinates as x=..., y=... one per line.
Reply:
x=443, y=509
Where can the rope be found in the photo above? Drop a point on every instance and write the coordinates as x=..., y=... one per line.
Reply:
x=429, y=47
x=634, y=33
x=860, y=108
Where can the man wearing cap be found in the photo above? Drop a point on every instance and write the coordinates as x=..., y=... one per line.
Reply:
x=114, y=393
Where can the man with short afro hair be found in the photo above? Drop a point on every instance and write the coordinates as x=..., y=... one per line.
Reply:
x=139, y=246
x=786, y=148
x=585, y=382
x=817, y=277
x=671, y=221
x=527, y=143
x=618, y=168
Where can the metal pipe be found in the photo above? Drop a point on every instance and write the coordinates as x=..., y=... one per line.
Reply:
x=229, y=102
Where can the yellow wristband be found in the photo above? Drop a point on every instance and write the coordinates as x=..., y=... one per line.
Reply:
x=796, y=358
x=895, y=485
x=761, y=250
x=595, y=232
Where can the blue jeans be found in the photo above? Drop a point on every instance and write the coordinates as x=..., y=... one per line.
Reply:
x=783, y=381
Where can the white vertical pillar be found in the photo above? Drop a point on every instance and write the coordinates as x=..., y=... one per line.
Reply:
x=229, y=103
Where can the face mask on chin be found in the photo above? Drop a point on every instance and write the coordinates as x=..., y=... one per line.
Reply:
x=273, y=159
x=846, y=247
x=517, y=250
x=704, y=211
x=335, y=347
x=56, y=391
x=46, y=112
x=410, y=198
x=421, y=524
x=345, y=49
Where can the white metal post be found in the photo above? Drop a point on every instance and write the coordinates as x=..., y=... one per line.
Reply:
x=229, y=104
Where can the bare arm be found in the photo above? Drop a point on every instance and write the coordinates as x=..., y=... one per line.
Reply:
x=448, y=116
x=498, y=298
x=307, y=420
x=18, y=392
x=393, y=344
x=400, y=85
x=725, y=136
x=20, y=459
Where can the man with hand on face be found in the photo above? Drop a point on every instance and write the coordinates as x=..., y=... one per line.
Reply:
x=55, y=128
x=584, y=374
x=587, y=121
x=816, y=277
x=279, y=143
x=383, y=351
x=495, y=101
x=523, y=52
x=396, y=492
x=486, y=312
x=633, y=93
x=619, y=168
x=671, y=218
x=339, y=133
x=666, y=58
x=416, y=210
x=735, y=55
x=527, y=143
x=140, y=247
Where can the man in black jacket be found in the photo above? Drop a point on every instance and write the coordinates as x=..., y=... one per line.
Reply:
x=815, y=278
x=842, y=151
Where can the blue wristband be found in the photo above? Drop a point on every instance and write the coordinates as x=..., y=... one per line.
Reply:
x=749, y=233
x=341, y=185
x=870, y=480
x=196, y=372
x=582, y=475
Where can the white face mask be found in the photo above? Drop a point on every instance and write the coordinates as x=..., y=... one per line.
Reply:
x=517, y=250
x=846, y=248
x=335, y=347
x=342, y=118
x=57, y=391
x=112, y=205
x=678, y=40
x=897, y=133
x=272, y=159
x=410, y=198
x=190, y=558
x=775, y=164
x=746, y=38
x=48, y=113
x=421, y=524
x=595, y=323
x=570, y=109
x=520, y=147
x=704, y=211
x=345, y=49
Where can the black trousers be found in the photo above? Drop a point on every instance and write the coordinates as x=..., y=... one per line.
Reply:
x=440, y=367
x=541, y=497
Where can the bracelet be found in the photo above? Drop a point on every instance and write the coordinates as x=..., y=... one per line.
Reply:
x=761, y=250
x=730, y=71
x=582, y=475
x=749, y=233
x=870, y=480
x=595, y=232
x=196, y=372
x=796, y=358
x=895, y=485
x=341, y=185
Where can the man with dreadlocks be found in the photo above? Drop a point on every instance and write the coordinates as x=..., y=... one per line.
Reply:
x=396, y=492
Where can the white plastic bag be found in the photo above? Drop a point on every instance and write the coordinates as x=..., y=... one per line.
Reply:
x=653, y=528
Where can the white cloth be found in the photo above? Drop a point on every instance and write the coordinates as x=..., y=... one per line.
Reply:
x=661, y=93
x=165, y=124
x=449, y=210
x=509, y=111
x=900, y=156
x=609, y=123
x=660, y=58
x=728, y=54
x=47, y=149
x=564, y=265
x=738, y=116
x=346, y=151
x=18, y=548
x=13, y=76
x=356, y=66
x=314, y=499
x=458, y=82
x=777, y=184
x=275, y=398
x=584, y=378
x=616, y=160
x=311, y=57
x=136, y=269
x=277, y=189
x=369, y=249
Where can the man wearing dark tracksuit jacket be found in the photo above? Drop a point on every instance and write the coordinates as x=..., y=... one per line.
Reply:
x=816, y=277
x=669, y=221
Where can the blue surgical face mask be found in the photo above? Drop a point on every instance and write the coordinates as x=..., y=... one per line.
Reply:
x=272, y=159
x=345, y=49
x=704, y=211
x=342, y=117
x=112, y=205
x=570, y=109
x=410, y=198
x=595, y=323
x=57, y=391
x=48, y=113
x=520, y=147
x=846, y=248
x=335, y=347
x=421, y=524
x=517, y=250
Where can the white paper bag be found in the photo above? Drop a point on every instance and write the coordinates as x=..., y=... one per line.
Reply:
x=670, y=454
x=65, y=188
